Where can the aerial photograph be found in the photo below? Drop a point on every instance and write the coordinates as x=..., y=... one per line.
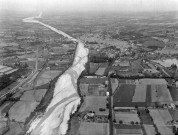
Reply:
x=88, y=67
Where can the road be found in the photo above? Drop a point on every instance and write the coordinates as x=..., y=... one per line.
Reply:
x=110, y=107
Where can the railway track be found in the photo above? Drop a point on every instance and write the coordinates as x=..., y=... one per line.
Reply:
x=13, y=90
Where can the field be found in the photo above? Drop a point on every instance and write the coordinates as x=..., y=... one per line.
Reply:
x=152, y=81
x=47, y=76
x=128, y=95
x=154, y=93
x=124, y=93
x=174, y=114
x=129, y=131
x=25, y=107
x=33, y=95
x=174, y=93
x=123, y=129
x=96, y=90
x=150, y=130
x=161, y=116
x=165, y=130
x=93, y=80
x=15, y=129
x=94, y=67
x=166, y=116
x=126, y=81
x=140, y=93
x=93, y=103
x=75, y=124
x=84, y=89
x=101, y=69
x=3, y=127
x=93, y=129
x=160, y=93
x=5, y=107
x=158, y=120
x=163, y=93
x=126, y=117
x=114, y=84
x=145, y=117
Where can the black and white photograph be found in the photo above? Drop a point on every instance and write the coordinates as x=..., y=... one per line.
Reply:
x=88, y=67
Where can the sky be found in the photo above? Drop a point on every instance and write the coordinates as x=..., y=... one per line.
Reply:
x=90, y=5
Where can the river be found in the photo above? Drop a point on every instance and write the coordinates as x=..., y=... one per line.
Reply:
x=65, y=98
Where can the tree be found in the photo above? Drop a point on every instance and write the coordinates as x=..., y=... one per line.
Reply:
x=173, y=66
x=120, y=122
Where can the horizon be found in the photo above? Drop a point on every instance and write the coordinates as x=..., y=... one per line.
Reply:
x=124, y=6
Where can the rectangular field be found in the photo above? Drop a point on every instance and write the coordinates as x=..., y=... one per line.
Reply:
x=174, y=114
x=140, y=93
x=93, y=103
x=174, y=93
x=153, y=93
x=150, y=130
x=145, y=117
x=87, y=128
x=158, y=120
x=126, y=117
x=165, y=130
x=163, y=93
x=124, y=93
x=166, y=116
x=148, y=95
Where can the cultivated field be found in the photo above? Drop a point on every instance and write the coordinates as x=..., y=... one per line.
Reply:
x=152, y=81
x=93, y=129
x=84, y=89
x=16, y=128
x=124, y=93
x=154, y=93
x=158, y=120
x=129, y=132
x=93, y=103
x=174, y=114
x=94, y=67
x=163, y=93
x=165, y=130
x=174, y=93
x=25, y=107
x=150, y=130
x=166, y=116
x=145, y=117
x=140, y=93
x=47, y=76
x=100, y=71
x=126, y=117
